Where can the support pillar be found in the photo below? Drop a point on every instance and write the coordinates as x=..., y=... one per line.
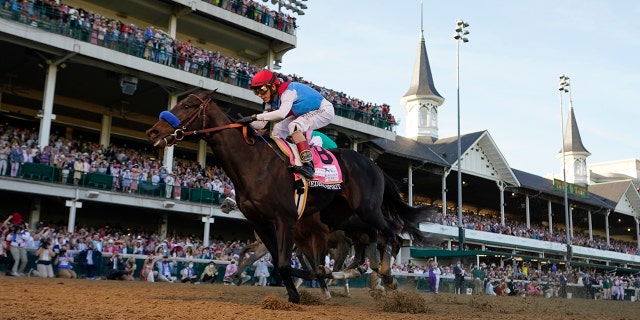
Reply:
x=527, y=212
x=164, y=225
x=47, y=105
x=167, y=160
x=410, y=184
x=501, y=188
x=202, y=153
x=73, y=205
x=105, y=133
x=208, y=221
x=606, y=225
x=444, y=192
x=590, y=225
x=550, y=212
x=34, y=215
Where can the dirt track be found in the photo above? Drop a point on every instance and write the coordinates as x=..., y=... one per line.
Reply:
x=36, y=298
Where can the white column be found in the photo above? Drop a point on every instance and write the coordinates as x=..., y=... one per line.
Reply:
x=606, y=225
x=549, y=210
x=167, y=161
x=444, y=192
x=202, y=153
x=590, y=225
x=638, y=231
x=501, y=188
x=527, y=212
x=410, y=183
x=571, y=221
x=164, y=225
x=208, y=221
x=73, y=204
x=105, y=133
x=47, y=105
x=173, y=23
x=34, y=215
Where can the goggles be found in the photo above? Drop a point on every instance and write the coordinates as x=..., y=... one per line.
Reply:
x=262, y=90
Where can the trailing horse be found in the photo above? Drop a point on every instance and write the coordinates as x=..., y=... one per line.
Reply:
x=264, y=187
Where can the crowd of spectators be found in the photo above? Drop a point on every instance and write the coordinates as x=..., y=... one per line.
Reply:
x=488, y=223
x=129, y=167
x=154, y=44
x=97, y=253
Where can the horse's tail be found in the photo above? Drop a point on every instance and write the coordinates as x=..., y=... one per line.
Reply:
x=406, y=217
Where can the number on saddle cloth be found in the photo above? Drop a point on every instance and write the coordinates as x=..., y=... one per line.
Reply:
x=328, y=172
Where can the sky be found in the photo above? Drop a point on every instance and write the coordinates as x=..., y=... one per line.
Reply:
x=509, y=69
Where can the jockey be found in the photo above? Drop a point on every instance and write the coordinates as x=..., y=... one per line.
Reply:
x=297, y=107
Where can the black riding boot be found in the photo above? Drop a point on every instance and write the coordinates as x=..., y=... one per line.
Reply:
x=306, y=169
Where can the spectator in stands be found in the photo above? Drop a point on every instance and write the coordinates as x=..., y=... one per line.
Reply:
x=78, y=170
x=296, y=106
x=262, y=271
x=489, y=289
x=165, y=270
x=64, y=262
x=129, y=269
x=478, y=279
x=5, y=150
x=18, y=236
x=562, y=278
x=44, y=264
x=210, y=273
x=617, y=291
x=17, y=159
x=458, y=272
x=90, y=259
x=135, y=178
x=115, y=267
x=169, y=181
x=147, y=273
x=188, y=274
x=230, y=270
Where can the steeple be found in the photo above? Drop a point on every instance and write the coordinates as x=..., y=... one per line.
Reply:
x=572, y=139
x=422, y=99
x=575, y=154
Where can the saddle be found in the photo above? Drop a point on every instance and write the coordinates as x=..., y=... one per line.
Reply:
x=328, y=174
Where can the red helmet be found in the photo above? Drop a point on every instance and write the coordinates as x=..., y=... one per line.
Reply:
x=264, y=77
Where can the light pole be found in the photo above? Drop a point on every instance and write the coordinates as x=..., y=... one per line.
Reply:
x=564, y=87
x=460, y=36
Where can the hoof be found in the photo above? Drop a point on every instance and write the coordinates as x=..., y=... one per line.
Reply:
x=390, y=283
x=375, y=281
x=324, y=271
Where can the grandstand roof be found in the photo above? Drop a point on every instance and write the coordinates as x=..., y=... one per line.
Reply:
x=545, y=186
x=622, y=194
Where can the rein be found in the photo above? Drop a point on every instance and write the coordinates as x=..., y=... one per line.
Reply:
x=180, y=132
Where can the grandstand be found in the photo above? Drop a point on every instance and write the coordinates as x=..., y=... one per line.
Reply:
x=106, y=83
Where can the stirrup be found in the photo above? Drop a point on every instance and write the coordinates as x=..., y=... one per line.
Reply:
x=306, y=169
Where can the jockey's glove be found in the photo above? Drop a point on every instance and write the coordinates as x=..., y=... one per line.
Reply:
x=248, y=119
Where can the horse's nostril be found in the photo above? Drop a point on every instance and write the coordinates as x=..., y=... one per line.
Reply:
x=152, y=133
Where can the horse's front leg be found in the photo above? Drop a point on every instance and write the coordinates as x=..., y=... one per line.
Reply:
x=284, y=233
x=389, y=250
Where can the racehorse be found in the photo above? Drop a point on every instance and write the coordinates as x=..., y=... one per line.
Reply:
x=265, y=186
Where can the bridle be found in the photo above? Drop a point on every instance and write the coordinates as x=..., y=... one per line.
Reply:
x=201, y=111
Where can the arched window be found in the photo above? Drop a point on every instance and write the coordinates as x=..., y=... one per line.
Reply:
x=433, y=117
x=580, y=167
x=423, y=115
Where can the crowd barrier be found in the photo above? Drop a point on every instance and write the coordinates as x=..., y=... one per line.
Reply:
x=102, y=181
x=406, y=281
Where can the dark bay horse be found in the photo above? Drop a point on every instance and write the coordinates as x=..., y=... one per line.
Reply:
x=264, y=187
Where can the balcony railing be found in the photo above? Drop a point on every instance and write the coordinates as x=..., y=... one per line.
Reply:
x=102, y=181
